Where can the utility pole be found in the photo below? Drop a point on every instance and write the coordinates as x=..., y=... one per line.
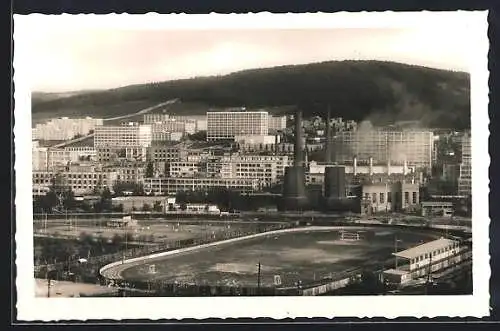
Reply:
x=48, y=279
x=258, y=278
x=396, y=240
x=428, y=274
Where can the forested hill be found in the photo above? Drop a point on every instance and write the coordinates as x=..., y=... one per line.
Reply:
x=382, y=92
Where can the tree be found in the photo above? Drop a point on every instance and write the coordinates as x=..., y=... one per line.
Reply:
x=69, y=201
x=198, y=136
x=157, y=207
x=146, y=207
x=138, y=189
x=106, y=202
x=149, y=170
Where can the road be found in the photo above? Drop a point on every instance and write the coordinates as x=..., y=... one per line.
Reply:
x=143, y=111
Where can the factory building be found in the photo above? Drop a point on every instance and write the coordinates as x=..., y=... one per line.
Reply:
x=225, y=125
x=389, y=197
x=414, y=146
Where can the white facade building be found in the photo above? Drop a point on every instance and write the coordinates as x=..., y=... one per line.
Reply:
x=129, y=141
x=65, y=128
x=414, y=146
x=80, y=181
x=465, y=177
x=40, y=156
x=277, y=123
x=225, y=125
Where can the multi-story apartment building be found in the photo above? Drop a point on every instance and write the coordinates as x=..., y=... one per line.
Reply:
x=70, y=154
x=127, y=172
x=465, y=176
x=414, y=146
x=268, y=170
x=65, y=128
x=199, y=120
x=161, y=152
x=129, y=141
x=81, y=181
x=170, y=186
x=152, y=118
x=276, y=123
x=39, y=156
x=225, y=125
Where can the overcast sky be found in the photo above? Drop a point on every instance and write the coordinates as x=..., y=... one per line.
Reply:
x=69, y=59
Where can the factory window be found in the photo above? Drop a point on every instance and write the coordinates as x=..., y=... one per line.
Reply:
x=407, y=197
x=389, y=197
x=414, y=197
x=382, y=197
x=374, y=197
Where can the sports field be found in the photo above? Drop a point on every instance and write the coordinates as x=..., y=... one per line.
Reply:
x=155, y=231
x=304, y=256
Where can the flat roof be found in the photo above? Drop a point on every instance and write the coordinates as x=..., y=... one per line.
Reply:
x=396, y=272
x=437, y=203
x=425, y=248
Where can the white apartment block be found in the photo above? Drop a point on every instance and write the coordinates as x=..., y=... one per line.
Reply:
x=65, y=128
x=465, y=177
x=277, y=123
x=40, y=157
x=225, y=125
x=199, y=120
x=129, y=141
x=170, y=186
x=152, y=118
x=414, y=146
x=80, y=182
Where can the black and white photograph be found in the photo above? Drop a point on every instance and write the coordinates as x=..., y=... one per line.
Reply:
x=310, y=165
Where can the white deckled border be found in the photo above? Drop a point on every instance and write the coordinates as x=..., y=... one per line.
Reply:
x=51, y=309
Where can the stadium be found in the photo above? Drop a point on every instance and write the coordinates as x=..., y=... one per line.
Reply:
x=283, y=258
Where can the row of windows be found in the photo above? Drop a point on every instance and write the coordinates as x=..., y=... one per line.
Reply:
x=434, y=253
x=381, y=197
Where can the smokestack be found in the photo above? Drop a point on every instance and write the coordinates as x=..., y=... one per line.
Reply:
x=371, y=166
x=298, y=157
x=355, y=165
x=405, y=167
x=328, y=152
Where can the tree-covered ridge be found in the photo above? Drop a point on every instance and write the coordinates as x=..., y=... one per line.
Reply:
x=380, y=91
